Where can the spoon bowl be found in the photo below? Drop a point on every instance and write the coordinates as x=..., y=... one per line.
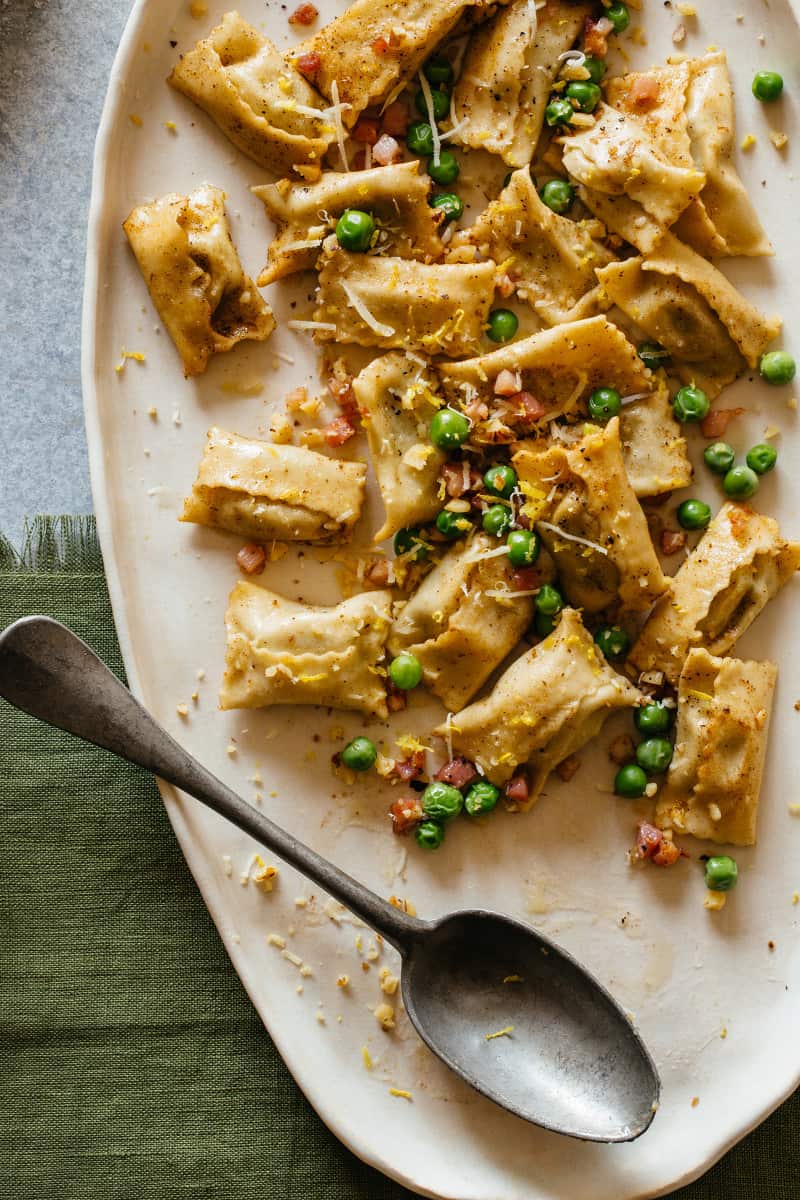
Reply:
x=506, y=1009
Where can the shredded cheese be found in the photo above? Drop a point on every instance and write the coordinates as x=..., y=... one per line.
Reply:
x=360, y=307
x=336, y=112
x=572, y=537
x=509, y=1029
x=437, y=141
x=328, y=326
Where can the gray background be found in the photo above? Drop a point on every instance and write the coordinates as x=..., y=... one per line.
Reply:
x=55, y=57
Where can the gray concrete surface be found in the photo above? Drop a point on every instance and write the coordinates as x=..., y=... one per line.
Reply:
x=55, y=56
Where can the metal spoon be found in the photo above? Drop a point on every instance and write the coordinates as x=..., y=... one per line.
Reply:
x=563, y=1055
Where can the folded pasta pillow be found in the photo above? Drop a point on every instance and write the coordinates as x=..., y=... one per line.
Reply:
x=396, y=402
x=653, y=447
x=268, y=492
x=282, y=652
x=506, y=76
x=547, y=705
x=464, y=619
x=739, y=564
x=588, y=517
x=551, y=259
x=714, y=780
x=397, y=196
x=256, y=98
x=186, y=254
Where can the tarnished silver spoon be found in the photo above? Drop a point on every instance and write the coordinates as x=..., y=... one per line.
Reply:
x=567, y=1057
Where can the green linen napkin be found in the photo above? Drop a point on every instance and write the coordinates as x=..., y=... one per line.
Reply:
x=133, y=1065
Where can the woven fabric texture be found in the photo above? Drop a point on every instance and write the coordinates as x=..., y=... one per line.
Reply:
x=133, y=1065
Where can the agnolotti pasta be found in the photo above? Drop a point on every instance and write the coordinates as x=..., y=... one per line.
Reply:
x=712, y=332
x=463, y=620
x=507, y=74
x=547, y=705
x=396, y=195
x=390, y=302
x=282, y=652
x=687, y=110
x=737, y=566
x=714, y=780
x=396, y=404
x=589, y=519
x=258, y=100
x=550, y=258
x=617, y=157
x=559, y=366
x=186, y=254
x=367, y=53
x=265, y=491
x=653, y=447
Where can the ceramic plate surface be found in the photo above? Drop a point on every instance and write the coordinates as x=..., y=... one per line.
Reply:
x=713, y=995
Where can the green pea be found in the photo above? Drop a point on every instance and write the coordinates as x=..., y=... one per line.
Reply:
x=429, y=835
x=693, y=514
x=767, y=86
x=612, y=640
x=419, y=138
x=441, y=103
x=630, y=781
x=544, y=623
x=558, y=195
x=596, y=67
x=653, y=355
x=409, y=539
x=740, y=483
x=722, y=873
x=777, y=367
x=653, y=718
x=584, y=93
x=447, y=170
x=605, y=403
x=405, y=671
x=503, y=324
x=619, y=17
x=690, y=404
x=654, y=755
x=354, y=230
x=762, y=458
x=448, y=429
x=481, y=798
x=549, y=600
x=450, y=204
x=500, y=480
x=719, y=457
x=453, y=524
x=441, y=801
x=523, y=547
x=438, y=69
x=360, y=754
x=558, y=112
x=497, y=520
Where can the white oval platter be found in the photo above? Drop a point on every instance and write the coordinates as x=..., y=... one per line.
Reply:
x=713, y=994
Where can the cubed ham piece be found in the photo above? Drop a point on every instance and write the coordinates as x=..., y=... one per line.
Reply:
x=476, y=410
x=508, y=383
x=568, y=767
x=505, y=286
x=396, y=700
x=622, y=749
x=667, y=854
x=525, y=579
x=338, y=431
x=716, y=422
x=645, y=91
x=304, y=14
x=377, y=572
x=396, y=119
x=309, y=65
x=252, y=558
x=672, y=540
x=517, y=790
x=595, y=36
x=460, y=478
x=411, y=767
x=458, y=772
x=648, y=840
x=386, y=150
x=366, y=130
x=406, y=813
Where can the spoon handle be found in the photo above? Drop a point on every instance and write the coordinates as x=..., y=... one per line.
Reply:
x=47, y=671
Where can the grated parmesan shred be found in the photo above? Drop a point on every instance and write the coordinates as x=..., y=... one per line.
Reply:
x=572, y=537
x=328, y=326
x=336, y=112
x=366, y=316
x=437, y=141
